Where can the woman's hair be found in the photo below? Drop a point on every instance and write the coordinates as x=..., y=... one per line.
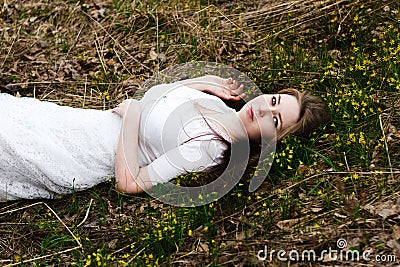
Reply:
x=313, y=113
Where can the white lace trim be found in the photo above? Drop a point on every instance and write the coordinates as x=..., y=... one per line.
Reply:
x=216, y=128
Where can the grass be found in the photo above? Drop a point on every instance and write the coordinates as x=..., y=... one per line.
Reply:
x=342, y=182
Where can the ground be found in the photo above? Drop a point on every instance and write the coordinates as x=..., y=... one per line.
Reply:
x=336, y=189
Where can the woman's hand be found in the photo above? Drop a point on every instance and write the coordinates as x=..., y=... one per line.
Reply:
x=123, y=107
x=227, y=89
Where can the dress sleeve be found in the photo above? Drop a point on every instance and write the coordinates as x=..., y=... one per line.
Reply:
x=192, y=156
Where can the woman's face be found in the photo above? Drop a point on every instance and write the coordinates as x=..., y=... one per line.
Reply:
x=267, y=113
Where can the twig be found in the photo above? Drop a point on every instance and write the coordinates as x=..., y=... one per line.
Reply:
x=21, y=208
x=121, y=61
x=9, y=206
x=158, y=43
x=87, y=213
x=135, y=256
x=341, y=22
x=121, y=249
x=100, y=55
x=84, y=94
x=386, y=146
x=345, y=160
x=11, y=46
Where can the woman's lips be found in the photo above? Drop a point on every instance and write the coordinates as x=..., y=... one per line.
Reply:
x=251, y=113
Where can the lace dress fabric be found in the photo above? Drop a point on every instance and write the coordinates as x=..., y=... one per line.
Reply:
x=48, y=149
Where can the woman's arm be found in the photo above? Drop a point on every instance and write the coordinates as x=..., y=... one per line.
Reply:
x=223, y=88
x=130, y=178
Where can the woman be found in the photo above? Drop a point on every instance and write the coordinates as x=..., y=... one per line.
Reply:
x=47, y=150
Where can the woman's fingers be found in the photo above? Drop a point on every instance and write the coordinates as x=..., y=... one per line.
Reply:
x=116, y=110
x=235, y=83
x=231, y=84
x=237, y=98
x=238, y=90
x=230, y=90
x=119, y=107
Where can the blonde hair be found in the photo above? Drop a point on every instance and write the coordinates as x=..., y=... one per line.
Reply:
x=313, y=113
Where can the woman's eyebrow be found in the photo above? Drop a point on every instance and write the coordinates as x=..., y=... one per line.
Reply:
x=279, y=99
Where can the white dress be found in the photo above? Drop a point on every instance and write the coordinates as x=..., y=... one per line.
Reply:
x=47, y=149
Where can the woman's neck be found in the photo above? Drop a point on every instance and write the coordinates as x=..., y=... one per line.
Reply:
x=230, y=124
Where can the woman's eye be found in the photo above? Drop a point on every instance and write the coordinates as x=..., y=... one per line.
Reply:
x=273, y=100
x=276, y=122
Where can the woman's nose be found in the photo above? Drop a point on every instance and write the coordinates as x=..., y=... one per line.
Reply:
x=267, y=111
